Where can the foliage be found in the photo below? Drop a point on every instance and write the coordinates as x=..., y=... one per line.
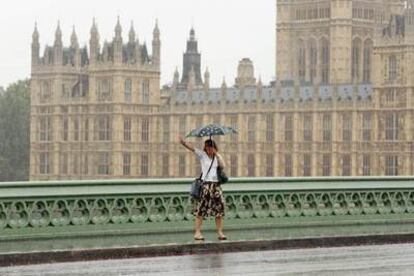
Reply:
x=15, y=132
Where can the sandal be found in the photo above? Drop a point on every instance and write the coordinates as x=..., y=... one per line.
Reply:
x=201, y=238
x=222, y=238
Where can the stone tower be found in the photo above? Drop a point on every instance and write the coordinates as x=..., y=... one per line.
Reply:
x=90, y=107
x=327, y=42
x=394, y=87
x=191, y=62
x=245, y=73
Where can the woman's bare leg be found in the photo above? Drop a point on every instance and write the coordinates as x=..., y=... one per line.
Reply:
x=219, y=226
x=197, y=226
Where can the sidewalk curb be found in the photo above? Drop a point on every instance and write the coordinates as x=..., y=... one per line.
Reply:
x=15, y=259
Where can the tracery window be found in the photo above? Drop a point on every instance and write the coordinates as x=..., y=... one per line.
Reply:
x=391, y=127
x=327, y=127
x=313, y=60
x=126, y=164
x=326, y=164
x=144, y=164
x=392, y=71
x=145, y=91
x=325, y=56
x=301, y=61
x=307, y=128
x=347, y=127
x=307, y=164
x=289, y=128
x=269, y=128
x=127, y=129
x=269, y=164
x=145, y=130
x=356, y=53
x=128, y=91
x=366, y=127
x=251, y=165
x=367, y=61
x=391, y=165
x=288, y=165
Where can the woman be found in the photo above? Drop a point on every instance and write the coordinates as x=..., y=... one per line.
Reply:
x=211, y=202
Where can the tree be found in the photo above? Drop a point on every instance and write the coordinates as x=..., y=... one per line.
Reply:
x=15, y=132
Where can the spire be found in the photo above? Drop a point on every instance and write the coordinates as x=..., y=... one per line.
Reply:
x=74, y=39
x=192, y=59
x=156, y=46
x=132, y=33
x=58, y=35
x=207, y=79
x=35, y=46
x=118, y=29
x=105, y=51
x=176, y=77
x=156, y=32
x=94, y=29
x=192, y=34
x=223, y=84
x=35, y=36
x=117, y=43
x=94, y=43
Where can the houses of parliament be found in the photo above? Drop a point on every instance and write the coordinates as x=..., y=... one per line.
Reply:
x=342, y=103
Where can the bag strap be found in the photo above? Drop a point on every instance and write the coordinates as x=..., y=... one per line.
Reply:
x=209, y=169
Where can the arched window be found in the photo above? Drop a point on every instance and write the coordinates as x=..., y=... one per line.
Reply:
x=356, y=59
x=301, y=60
x=367, y=60
x=313, y=60
x=325, y=55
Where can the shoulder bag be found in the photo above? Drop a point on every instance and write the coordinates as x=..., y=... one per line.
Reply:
x=221, y=175
x=197, y=184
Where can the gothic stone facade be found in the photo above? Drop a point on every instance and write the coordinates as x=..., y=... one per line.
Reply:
x=82, y=125
x=342, y=104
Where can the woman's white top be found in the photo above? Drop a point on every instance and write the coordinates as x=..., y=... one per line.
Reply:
x=205, y=162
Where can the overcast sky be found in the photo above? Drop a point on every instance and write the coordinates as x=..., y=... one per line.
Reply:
x=227, y=31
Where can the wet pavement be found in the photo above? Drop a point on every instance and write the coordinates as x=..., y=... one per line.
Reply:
x=397, y=259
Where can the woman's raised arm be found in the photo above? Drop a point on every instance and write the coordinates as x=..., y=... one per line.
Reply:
x=186, y=145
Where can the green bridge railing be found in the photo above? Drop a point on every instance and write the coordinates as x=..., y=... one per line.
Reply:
x=74, y=214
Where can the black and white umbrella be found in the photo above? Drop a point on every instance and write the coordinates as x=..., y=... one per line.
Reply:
x=211, y=130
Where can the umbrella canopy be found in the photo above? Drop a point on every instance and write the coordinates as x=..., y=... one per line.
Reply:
x=211, y=130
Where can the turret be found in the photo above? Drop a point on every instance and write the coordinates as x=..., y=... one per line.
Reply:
x=35, y=46
x=224, y=84
x=74, y=39
x=131, y=34
x=409, y=23
x=58, y=46
x=74, y=49
x=207, y=80
x=132, y=44
x=259, y=90
x=245, y=73
x=156, y=46
x=191, y=59
x=138, y=53
x=94, y=44
x=118, y=43
x=105, y=52
x=223, y=91
x=176, y=79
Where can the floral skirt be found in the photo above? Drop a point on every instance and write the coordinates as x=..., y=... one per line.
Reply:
x=211, y=202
